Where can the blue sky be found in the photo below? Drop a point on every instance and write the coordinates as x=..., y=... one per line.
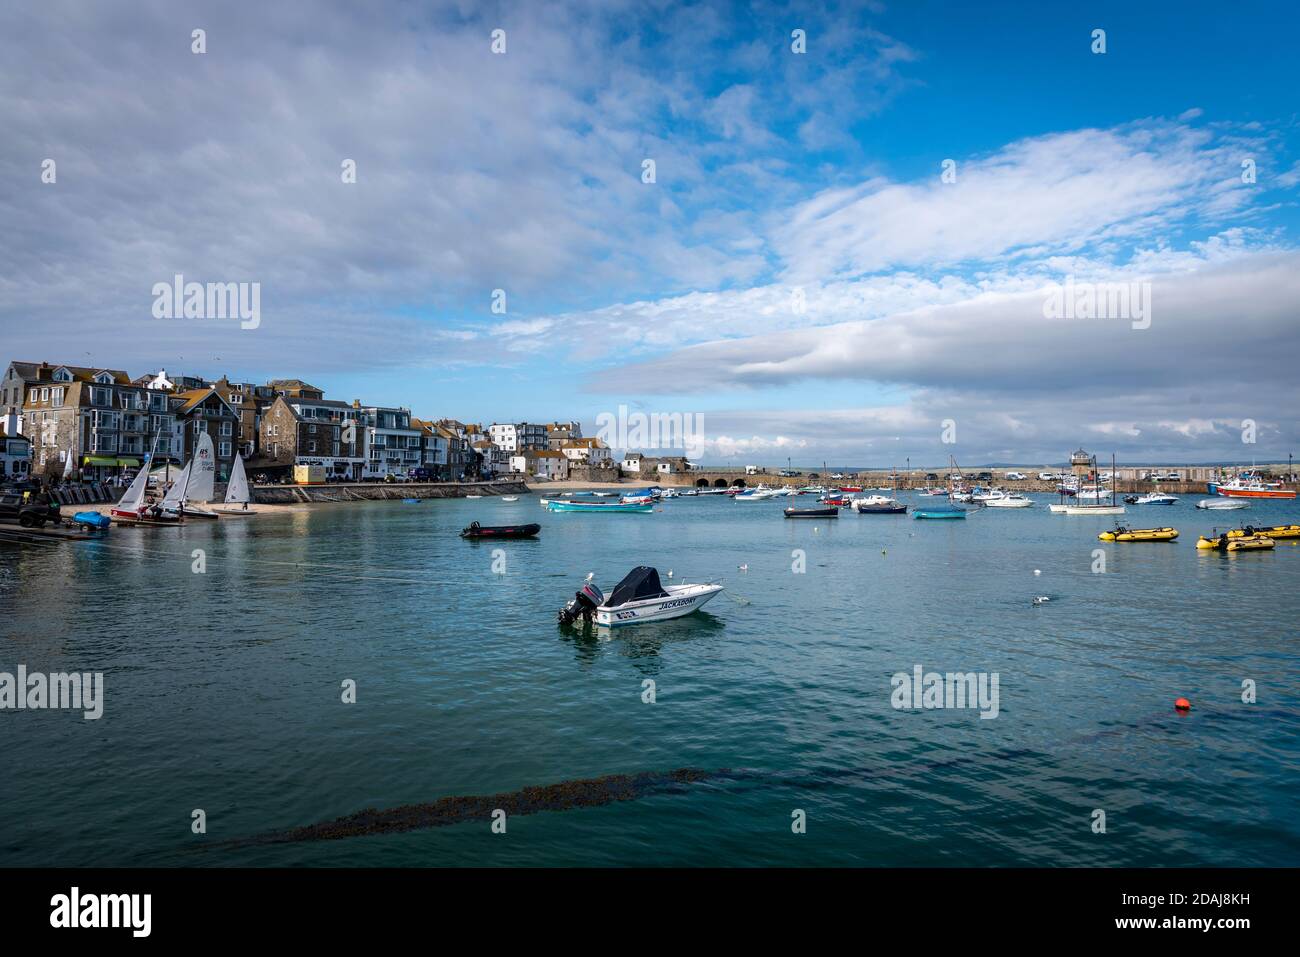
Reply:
x=776, y=172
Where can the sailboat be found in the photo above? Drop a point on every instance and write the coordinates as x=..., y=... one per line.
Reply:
x=1097, y=506
x=237, y=490
x=195, y=483
x=132, y=509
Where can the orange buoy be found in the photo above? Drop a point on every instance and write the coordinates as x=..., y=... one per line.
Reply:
x=1182, y=704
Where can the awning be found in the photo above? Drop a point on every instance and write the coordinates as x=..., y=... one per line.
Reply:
x=131, y=462
x=98, y=460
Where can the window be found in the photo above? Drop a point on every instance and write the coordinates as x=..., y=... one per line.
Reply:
x=236, y=398
x=101, y=397
x=56, y=395
x=223, y=451
x=311, y=446
x=227, y=428
x=312, y=428
x=63, y=375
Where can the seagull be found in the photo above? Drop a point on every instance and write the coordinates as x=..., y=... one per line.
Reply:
x=670, y=573
x=590, y=576
x=1041, y=600
x=1038, y=571
x=743, y=568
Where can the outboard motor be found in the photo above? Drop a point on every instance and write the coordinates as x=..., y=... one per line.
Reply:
x=585, y=601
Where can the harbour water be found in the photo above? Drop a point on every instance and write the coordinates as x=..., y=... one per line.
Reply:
x=223, y=690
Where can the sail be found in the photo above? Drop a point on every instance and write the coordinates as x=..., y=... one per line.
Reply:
x=176, y=494
x=134, y=497
x=203, y=471
x=237, y=487
x=67, y=466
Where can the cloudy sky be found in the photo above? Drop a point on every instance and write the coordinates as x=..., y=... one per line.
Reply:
x=800, y=271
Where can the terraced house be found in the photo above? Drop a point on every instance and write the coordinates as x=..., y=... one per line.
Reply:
x=309, y=431
x=393, y=445
x=91, y=423
x=204, y=410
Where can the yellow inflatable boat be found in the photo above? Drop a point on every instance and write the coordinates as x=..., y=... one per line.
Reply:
x=1225, y=544
x=1122, y=534
x=1272, y=531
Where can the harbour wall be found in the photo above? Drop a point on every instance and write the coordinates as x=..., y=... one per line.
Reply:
x=381, y=491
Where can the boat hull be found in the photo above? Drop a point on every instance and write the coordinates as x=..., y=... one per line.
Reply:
x=501, y=531
x=812, y=513
x=1094, y=510
x=594, y=507
x=680, y=600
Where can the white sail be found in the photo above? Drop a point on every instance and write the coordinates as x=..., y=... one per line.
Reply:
x=203, y=471
x=134, y=497
x=67, y=466
x=176, y=494
x=237, y=487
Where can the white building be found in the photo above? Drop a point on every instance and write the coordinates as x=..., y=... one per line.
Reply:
x=587, y=451
x=505, y=436
x=631, y=463
x=393, y=445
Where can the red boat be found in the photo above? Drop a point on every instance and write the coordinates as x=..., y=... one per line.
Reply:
x=1250, y=485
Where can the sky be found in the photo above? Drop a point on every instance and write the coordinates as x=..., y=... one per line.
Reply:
x=847, y=251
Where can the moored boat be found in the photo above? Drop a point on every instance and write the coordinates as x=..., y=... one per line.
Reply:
x=1269, y=531
x=1224, y=543
x=812, y=513
x=1249, y=485
x=938, y=511
x=613, y=507
x=1222, y=504
x=1010, y=500
x=475, y=530
x=1123, y=534
x=878, y=505
x=638, y=599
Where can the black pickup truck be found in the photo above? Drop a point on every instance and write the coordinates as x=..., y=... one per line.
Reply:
x=27, y=514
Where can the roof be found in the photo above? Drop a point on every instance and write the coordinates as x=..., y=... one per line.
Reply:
x=194, y=397
x=544, y=454
x=591, y=443
x=293, y=384
x=30, y=371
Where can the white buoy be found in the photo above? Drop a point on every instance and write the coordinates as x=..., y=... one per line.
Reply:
x=1038, y=571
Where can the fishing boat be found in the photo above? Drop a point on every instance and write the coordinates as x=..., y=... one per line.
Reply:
x=1010, y=500
x=475, y=530
x=1269, y=531
x=1151, y=498
x=938, y=511
x=616, y=507
x=839, y=501
x=1226, y=544
x=1123, y=534
x=879, y=505
x=1222, y=504
x=1250, y=485
x=639, y=598
x=812, y=513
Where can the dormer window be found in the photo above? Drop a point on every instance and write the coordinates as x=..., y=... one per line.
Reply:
x=62, y=375
x=104, y=378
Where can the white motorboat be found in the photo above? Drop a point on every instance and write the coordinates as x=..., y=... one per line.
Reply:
x=638, y=599
x=1153, y=498
x=1222, y=504
x=878, y=505
x=509, y=498
x=1009, y=500
x=757, y=495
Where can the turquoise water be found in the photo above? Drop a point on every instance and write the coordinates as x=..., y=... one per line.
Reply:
x=223, y=690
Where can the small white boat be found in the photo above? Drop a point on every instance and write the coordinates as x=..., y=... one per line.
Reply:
x=1105, y=509
x=509, y=498
x=1222, y=504
x=638, y=599
x=878, y=505
x=237, y=492
x=1057, y=508
x=1009, y=500
x=473, y=496
x=1155, y=498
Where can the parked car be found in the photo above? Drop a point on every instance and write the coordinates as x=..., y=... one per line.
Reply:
x=1015, y=476
x=1047, y=476
x=984, y=477
x=30, y=514
x=1173, y=476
